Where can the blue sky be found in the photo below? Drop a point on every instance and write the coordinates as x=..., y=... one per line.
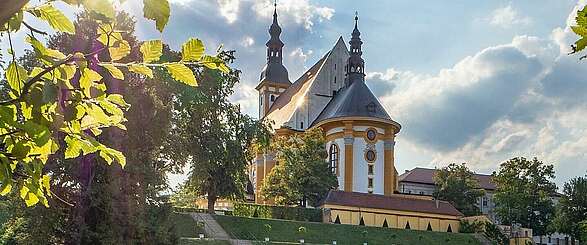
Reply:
x=470, y=81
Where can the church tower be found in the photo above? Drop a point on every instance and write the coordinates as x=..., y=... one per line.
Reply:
x=274, y=78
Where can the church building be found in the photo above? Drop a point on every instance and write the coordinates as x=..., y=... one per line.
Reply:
x=360, y=134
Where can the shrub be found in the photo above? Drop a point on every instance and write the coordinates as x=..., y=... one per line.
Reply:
x=471, y=227
x=494, y=233
x=277, y=212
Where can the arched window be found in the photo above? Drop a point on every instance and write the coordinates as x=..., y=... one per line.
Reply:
x=334, y=158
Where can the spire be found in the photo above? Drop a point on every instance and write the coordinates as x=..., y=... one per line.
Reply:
x=274, y=71
x=274, y=45
x=356, y=65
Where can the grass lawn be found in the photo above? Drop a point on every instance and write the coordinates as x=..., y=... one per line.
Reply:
x=287, y=231
x=192, y=241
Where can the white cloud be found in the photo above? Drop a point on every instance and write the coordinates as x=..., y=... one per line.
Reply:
x=525, y=98
x=300, y=11
x=247, y=41
x=229, y=9
x=508, y=17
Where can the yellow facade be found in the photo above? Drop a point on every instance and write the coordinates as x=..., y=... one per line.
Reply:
x=394, y=218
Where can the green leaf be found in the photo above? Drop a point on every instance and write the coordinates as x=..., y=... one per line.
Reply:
x=157, y=10
x=115, y=72
x=141, y=69
x=73, y=147
x=111, y=108
x=214, y=63
x=46, y=183
x=182, y=73
x=55, y=18
x=117, y=99
x=192, y=50
x=579, y=30
x=16, y=75
x=87, y=78
x=103, y=7
x=41, y=50
x=120, y=51
x=580, y=44
x=151, y=50
x=5, y=188
x=98, y=114
x=31, y=199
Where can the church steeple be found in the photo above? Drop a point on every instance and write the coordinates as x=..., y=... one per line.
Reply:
x=274, y=78
x=356, y=65
x=274, y=45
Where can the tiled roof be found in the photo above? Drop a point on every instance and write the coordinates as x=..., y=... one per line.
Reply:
x=426, y=176
x=394, y=202
x=356, y=100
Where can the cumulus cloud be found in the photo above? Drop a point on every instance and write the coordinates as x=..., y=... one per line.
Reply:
x=300, y=11
x=507, y=17
x=382, y=83
x=229, y=9
x=525, y=98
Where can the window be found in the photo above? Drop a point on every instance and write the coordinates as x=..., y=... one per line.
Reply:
x=370, y=169
x=371, y=135
x=484, y=201
x=260, y=100
x=272, y=97
x=335, y=80
x=302, y=125
x=370, y=183
x=370, y=156
x=334, y=158
x=421, y=193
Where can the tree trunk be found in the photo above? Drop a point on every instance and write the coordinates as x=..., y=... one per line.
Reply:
x=212, y=196
x=211, y=202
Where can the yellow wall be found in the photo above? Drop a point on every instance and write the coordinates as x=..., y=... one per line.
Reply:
x=395, y=218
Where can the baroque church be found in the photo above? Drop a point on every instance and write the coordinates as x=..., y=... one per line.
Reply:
x=332, y=95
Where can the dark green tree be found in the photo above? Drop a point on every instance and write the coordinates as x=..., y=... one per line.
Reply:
x=572, y=208
x=302, y=174
x=216, y=136
x=524, y=191
x=457, y=184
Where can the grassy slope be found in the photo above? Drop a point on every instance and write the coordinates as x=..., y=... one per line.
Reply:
x=187, y=231
x=281, y=230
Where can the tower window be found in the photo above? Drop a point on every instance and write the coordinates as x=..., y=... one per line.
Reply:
x=370, y=169
x=272, y=97
x=302, y=125
x=370, y=183
x=260, y=100
x=334, y=156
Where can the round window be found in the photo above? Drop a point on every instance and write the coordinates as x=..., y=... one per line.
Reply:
x=370, y=156
x=371, y=134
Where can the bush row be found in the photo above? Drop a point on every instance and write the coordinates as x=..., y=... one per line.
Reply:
x=278, y=212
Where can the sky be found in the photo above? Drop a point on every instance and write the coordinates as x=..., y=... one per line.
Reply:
x=469, y=81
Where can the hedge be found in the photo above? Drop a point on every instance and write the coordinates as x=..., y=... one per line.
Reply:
x=198, y=210
x=277, y=212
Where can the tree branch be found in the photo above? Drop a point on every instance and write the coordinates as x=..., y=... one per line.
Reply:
x=35, y=79
x=34, y=29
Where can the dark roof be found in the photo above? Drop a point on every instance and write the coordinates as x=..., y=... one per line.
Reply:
x=395, y=202
x=356, y=100
x=287, y=95
x=426, y=176
x=275, y=72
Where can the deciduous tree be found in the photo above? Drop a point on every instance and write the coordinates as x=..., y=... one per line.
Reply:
x=572, y=208
x=302, y=174
x=524, y=191
x=458, y=185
